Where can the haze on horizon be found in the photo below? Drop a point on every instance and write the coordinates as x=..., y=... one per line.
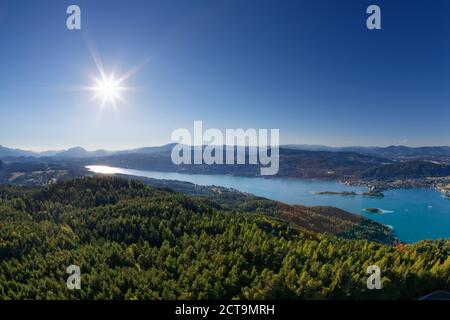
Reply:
x=309, y=68
x=306, y=146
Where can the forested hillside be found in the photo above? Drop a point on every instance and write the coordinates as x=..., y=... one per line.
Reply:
x=408, y=170
x=137, y=242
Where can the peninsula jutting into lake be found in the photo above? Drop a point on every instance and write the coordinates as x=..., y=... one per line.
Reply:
x=406, y=210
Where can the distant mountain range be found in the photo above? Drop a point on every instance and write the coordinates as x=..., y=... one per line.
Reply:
x=391, y=152
x=321, y=162
x=8, y=152
x=78, y=152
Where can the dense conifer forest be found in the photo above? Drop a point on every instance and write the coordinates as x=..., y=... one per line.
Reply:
x=133, y=241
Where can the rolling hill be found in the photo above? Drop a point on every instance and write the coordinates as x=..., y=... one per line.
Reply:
x=407, y=170
x=437, y=153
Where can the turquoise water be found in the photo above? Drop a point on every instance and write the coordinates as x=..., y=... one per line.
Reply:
x=415, y=214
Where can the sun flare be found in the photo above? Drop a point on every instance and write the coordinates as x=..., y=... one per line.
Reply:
x=108, y=89
x=109, y=86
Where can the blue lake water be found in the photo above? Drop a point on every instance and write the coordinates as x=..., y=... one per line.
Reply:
x=415, y=214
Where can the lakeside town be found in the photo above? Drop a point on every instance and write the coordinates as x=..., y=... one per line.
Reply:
x=376, y=187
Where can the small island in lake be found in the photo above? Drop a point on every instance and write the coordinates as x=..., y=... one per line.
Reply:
x=373, y=210
x=373, y=194
x=370, y=193
x=342, y=193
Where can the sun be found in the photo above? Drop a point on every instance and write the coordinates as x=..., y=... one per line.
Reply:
x=109, y=89
x=109, y=86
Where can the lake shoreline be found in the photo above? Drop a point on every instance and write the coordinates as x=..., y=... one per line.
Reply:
x=416, y=213
x=375, y=186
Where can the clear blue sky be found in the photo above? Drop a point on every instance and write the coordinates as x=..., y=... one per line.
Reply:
x=309, y=68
